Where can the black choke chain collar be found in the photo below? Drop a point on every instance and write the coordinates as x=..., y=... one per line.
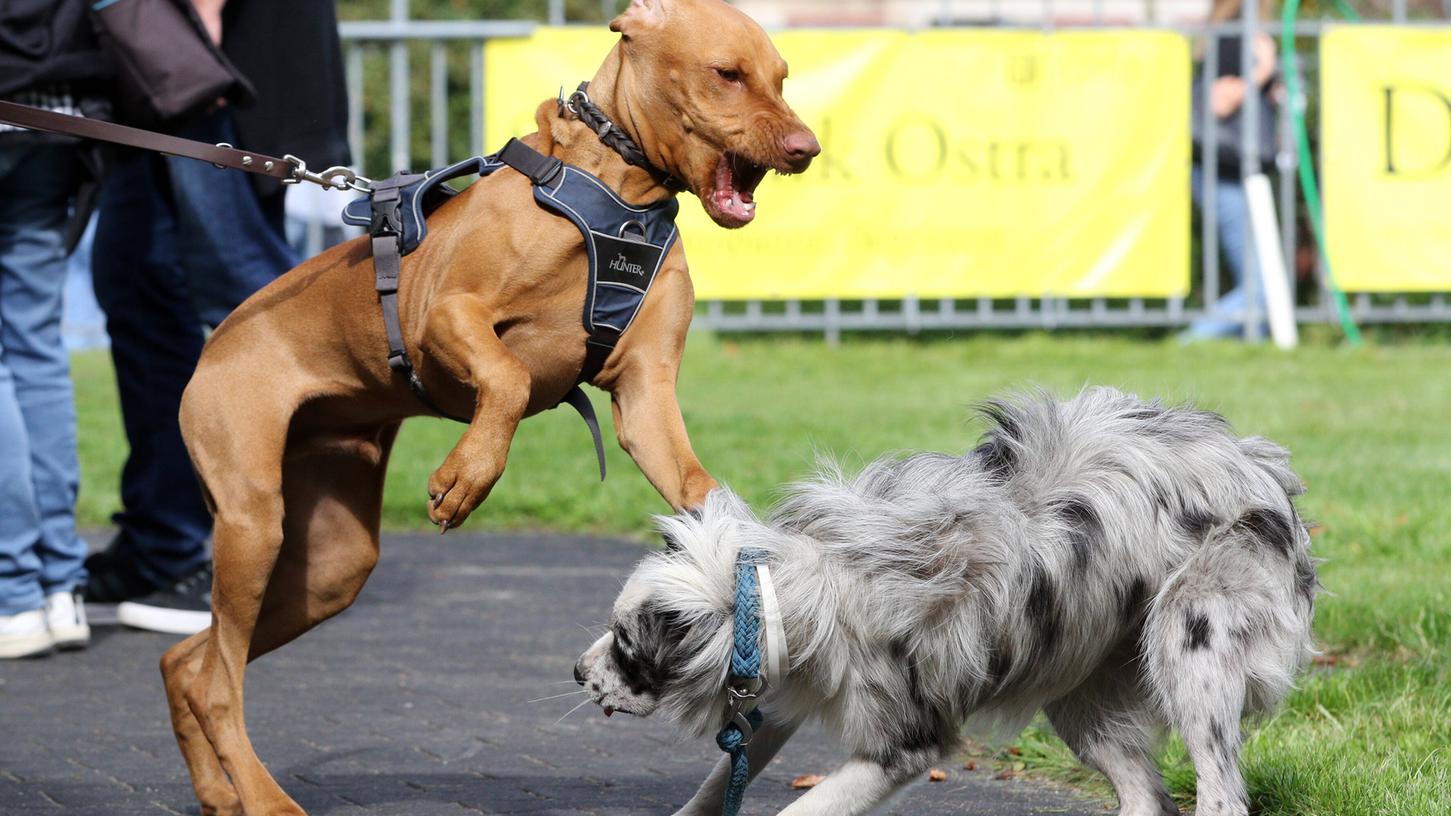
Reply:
x=612, y=135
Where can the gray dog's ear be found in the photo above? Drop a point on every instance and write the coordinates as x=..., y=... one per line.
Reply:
x=671, y=543
x=641, y=13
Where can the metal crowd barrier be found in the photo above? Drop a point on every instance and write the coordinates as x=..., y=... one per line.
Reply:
x=398, y=40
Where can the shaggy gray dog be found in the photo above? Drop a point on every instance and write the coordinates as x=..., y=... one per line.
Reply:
x=1121, y=565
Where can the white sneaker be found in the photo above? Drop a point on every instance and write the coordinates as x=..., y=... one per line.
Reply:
x=66, y=617
x=25, y=634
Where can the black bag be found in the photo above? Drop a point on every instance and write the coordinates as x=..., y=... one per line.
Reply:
x=167, y=66
x=50, y=42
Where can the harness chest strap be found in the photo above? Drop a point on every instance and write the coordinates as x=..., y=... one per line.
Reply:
x=542, y=170
x=613, y=250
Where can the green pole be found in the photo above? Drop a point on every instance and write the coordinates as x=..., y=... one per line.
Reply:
x=1306, y=161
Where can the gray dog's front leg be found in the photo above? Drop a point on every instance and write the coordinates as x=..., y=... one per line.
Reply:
x=855, y=788
x=768, y=740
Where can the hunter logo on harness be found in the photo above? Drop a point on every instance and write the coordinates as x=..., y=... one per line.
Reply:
x=623, y=264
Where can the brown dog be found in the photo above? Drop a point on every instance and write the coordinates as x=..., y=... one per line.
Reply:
x=293, y=409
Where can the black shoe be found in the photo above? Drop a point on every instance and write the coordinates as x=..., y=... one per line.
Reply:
x=184, y=608
x=113, y=578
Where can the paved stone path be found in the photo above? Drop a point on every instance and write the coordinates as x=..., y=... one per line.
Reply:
x=416, y=702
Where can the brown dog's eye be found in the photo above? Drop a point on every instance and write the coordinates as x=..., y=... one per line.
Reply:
x=728, y=74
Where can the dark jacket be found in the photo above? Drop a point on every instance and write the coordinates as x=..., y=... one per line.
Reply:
x=1229, y=131
x=45, y=42
x=290, y=52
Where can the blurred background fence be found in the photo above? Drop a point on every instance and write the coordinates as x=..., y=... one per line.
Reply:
x=419, y=87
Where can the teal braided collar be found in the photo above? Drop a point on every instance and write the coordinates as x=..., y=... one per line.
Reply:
x=756, y=610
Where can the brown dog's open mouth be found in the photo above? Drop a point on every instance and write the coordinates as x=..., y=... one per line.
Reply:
x=732, y=201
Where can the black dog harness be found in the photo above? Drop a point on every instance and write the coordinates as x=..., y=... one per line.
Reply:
x=625, y=244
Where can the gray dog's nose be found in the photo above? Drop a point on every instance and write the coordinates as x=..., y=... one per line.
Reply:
x=579, y=673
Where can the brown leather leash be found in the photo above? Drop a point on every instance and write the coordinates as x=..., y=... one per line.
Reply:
x=289, y=169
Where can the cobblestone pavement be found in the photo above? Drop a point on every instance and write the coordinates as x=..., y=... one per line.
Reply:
x=415, y=701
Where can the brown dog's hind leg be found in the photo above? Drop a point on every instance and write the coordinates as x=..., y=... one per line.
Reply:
x=247, y=538
x=334, y=506
x=333, y=499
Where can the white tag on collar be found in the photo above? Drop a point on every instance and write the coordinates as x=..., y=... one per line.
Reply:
x=778, y=662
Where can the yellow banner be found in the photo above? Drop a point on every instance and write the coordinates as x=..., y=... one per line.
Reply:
x=954, y=163
x=1386, y=157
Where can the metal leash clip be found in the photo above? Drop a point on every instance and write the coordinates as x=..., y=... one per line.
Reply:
x=337, y=177
x=742, y=701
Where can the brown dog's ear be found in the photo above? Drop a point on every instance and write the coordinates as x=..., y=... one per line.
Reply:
x=640, y=14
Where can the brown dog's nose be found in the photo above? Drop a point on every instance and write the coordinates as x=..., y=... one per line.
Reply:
x=800, y=148
x=578, y=674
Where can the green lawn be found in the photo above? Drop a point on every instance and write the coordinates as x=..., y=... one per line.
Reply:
x=1367, y=733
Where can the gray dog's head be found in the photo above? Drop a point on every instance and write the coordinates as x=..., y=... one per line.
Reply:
x=669, y=641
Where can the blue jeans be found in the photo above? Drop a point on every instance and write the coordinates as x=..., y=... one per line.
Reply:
x=1231, y=206
x=40, y=552
x=179, y=245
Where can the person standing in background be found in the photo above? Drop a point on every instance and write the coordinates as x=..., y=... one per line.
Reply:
x=180, y=244
x=48, y=59
x=1228, y=92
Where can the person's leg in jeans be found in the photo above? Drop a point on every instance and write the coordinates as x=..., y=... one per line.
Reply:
x=230, y=240
x=40, y=553
x=210, y=244
x=1236, y=248
x=156, y=338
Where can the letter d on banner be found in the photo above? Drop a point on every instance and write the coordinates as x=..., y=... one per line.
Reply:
x=1273, y=277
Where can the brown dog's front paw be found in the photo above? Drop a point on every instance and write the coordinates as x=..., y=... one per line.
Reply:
x=454, y=491
x=231, y=806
